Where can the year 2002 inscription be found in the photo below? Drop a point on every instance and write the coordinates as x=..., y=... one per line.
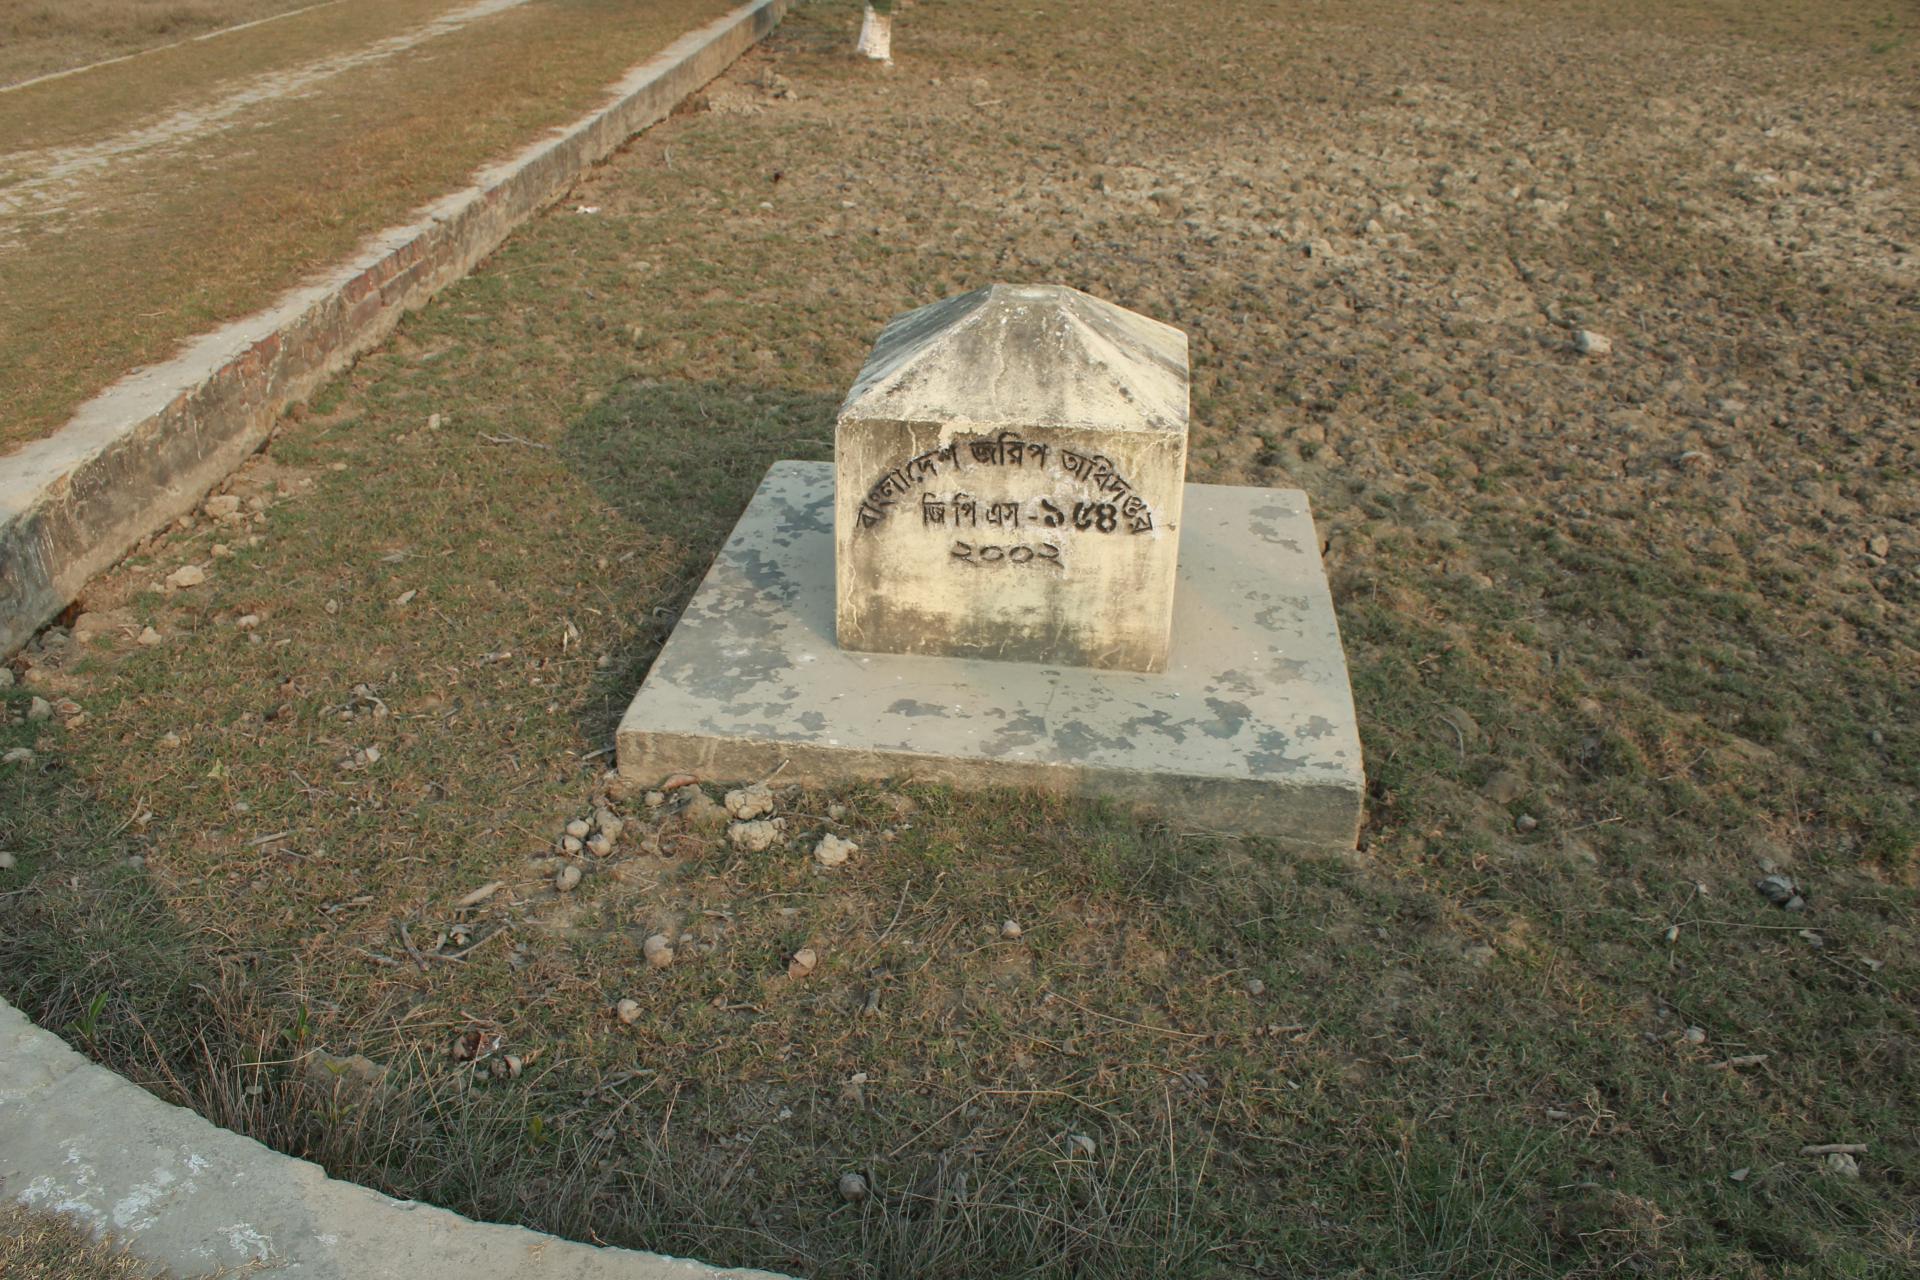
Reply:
x=1042, y=553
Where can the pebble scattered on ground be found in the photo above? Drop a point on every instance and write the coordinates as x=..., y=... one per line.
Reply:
x=833, y=851
x=658, y=950
x=749, y=803
x=754, y=837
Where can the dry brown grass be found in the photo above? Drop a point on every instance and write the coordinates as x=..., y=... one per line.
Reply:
x=48, y=1246
x=42, y=36
x=1466, y=1054
x=136, y=257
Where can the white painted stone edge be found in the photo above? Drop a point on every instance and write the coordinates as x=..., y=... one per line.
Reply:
x=148, y=448
x=178, y=1192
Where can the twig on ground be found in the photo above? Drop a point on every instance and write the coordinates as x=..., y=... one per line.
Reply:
x=1744, y=1060
x=1834, y=1149
x=513, y=439
x=406, y=940
x=1143, y=1026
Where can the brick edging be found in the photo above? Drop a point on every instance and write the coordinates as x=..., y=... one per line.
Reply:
x=148, y=448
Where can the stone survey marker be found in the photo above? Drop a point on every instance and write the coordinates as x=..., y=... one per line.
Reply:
x=1003, y=580
x=1008, y=473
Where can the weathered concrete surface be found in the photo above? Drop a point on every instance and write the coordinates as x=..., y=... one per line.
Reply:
x=1250, y=729
x=1009, y=468
x=77, y=1139
x=147, y=449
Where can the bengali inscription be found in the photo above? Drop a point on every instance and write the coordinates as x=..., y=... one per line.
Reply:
x=1117, y=506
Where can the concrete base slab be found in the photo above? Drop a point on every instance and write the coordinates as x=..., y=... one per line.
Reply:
x=1249, y=730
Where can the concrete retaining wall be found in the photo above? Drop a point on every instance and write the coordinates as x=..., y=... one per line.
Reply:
x=76, y=1139
x=147, y=449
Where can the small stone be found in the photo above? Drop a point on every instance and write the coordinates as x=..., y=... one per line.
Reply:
x=579, y=828
x=187, y=575
x=1589, y=343
x=802, y=963
x=853, y=1188
x=1504, y=787
x=433, y=422
x=832, y=851
x=221, y=551
x=1696, y=1035
x=1526, y=822
x=1673, y=933
x=836, y=812
x=222, y=505
x=169, y=740
x=610, y=824
x=1778, y=889
x=1011, y=930
x=39, y=709
x=655, y=799
x=566, y=879
x=571, y=844
x=332, y=607
x=1841, y=1164
x=754, y=837
x=628, y=1011
x=749, y=803
x=1080, y=1145
x=658, y=949
x=247, y=621
x=19, y=755
x=1880, y=545
x=599, y=846
x=1741, y=1174
x=149, y=637
x=1255, y=987
x=7, y=862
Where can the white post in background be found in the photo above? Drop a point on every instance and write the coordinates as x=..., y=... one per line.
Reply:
x=876, y=34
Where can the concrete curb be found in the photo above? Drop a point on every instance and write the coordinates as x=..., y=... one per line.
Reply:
x=78, y=1140
x=148, y=448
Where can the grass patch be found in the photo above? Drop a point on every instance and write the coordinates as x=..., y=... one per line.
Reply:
x=1619, y=647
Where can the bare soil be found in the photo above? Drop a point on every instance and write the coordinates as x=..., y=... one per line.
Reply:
x=1630, y=629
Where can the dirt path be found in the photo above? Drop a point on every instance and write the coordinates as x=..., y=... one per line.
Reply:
x=39, y=183
x=150, y=200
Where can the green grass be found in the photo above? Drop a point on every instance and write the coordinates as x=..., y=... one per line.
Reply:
x=1459, y=1051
